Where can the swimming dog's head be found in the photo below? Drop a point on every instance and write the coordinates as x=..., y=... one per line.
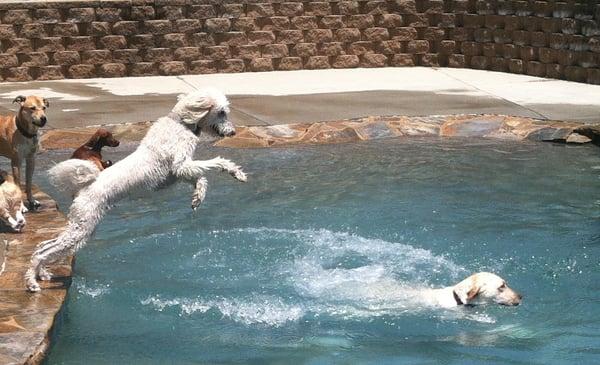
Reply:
x=205, y=111
x=33, y=109
x=485, y=287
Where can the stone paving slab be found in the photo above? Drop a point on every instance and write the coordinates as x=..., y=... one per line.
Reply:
x=27, y=319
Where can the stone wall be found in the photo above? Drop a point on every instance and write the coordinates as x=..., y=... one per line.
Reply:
x=112, y=38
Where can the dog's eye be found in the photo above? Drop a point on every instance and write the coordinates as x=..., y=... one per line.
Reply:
x=502, y=287
x=32, y=108
x=222, y=113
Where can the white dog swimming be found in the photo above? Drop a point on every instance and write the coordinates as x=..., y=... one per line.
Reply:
x=163, y=157
x=477, y=289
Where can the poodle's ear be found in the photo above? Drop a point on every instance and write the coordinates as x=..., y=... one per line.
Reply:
x=46, y=103
x=200, y=104
x=19, y=99
x=466, y=290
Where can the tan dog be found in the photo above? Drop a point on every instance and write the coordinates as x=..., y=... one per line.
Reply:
x=19, y=139
x=479, y=288
x=11, y=203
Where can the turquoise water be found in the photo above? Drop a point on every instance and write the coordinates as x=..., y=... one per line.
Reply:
x=312, y=260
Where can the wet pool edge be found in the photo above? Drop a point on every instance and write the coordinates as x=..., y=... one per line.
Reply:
x=502, y=127
x=27, y=320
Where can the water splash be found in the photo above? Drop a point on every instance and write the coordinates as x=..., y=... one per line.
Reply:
x=336, y=274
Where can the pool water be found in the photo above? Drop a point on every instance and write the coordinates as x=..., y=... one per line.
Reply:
x=310, y=262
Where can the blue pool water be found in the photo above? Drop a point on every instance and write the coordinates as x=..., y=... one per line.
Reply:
x=310, y=262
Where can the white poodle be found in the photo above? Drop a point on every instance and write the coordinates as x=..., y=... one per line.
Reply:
x=163, y=157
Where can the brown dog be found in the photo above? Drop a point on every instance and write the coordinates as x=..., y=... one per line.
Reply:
x=92, y=149
x=19, y=139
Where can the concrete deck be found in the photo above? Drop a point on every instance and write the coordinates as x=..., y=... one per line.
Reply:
x=269, y=98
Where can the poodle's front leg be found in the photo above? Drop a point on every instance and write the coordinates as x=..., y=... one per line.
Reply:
x=193, y=170
x=199, y=192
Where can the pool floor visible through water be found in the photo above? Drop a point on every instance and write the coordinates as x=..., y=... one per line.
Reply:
x=310, y=261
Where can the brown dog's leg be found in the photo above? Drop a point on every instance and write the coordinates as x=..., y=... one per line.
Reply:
x=32, y=204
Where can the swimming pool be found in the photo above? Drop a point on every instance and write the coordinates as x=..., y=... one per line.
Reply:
x=295, y=266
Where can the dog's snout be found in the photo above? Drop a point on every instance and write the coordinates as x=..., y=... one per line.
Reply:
x=231, y=134
x=43, y=120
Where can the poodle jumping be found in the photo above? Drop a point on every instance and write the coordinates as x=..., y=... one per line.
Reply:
x=164, y=156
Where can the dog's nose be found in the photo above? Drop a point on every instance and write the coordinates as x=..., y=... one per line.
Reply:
x=43, y=120
x=232, y=134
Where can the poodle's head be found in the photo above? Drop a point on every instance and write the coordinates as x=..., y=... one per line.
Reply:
x=205, y=111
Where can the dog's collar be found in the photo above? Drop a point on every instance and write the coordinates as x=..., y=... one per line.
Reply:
x=457, y=298
x=24, y=132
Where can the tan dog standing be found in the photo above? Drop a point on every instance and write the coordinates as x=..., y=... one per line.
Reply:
x=19, y=139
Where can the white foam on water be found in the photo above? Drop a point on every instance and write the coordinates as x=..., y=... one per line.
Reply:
x=342, y=275
x=270, y=311
x=92, y=290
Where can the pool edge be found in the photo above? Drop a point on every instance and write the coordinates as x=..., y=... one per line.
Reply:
x=28, y=320
x=496, y=126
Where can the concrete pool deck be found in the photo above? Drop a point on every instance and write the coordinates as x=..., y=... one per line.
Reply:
x=271, y=98
x=276, y=108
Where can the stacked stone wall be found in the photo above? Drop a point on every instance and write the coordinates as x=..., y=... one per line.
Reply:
x=112, y=38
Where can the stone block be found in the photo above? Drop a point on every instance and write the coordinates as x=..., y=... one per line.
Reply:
x=16, y=74
x=244, y=24
x=373, y=60
x=231, y=66
x=361, y=21
x=49, y=44
x=204, y=11
x=143, y=69
x=402, y=60
x=319, y=35
x=34, y=59
x=261, y=37
x=110, y=15
x=317, y=62
x=376, y=34
x=289, y=64
x=127, y=27
x=158, y=55
x=50, y=73
x=360, y=47
x=417, y=47
x=261, y=65
x=260, y=10
x=126, y=56
x=304, y=49
x=203, y=67
x=66, y=58
x=82, y=71
x=113, y=70
x=331, y=49
x=158, y=26
x=290, y=9
x=172, y=68
x=217, y=52
x=332, y=22
x=81, y=43
x=217, y=25
x=142, y=13
x=347, y=35
x=65, y=30
x=275, y=51
x=346, y=61
x=318, y=8
x=112, y=42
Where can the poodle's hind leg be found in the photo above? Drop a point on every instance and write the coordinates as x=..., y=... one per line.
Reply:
x=47, y=252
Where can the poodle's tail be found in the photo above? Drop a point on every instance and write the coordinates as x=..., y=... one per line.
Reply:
x=72, y=175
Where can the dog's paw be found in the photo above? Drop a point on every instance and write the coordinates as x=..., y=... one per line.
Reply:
x=239, y=175
x=32, y=285
x=33, y=205
x=44, y=274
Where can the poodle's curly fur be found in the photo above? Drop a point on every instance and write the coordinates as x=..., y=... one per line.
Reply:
x=163, y=157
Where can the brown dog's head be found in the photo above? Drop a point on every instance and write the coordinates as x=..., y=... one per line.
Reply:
x=33, y=109
x=102, y=138
x=486, y=287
